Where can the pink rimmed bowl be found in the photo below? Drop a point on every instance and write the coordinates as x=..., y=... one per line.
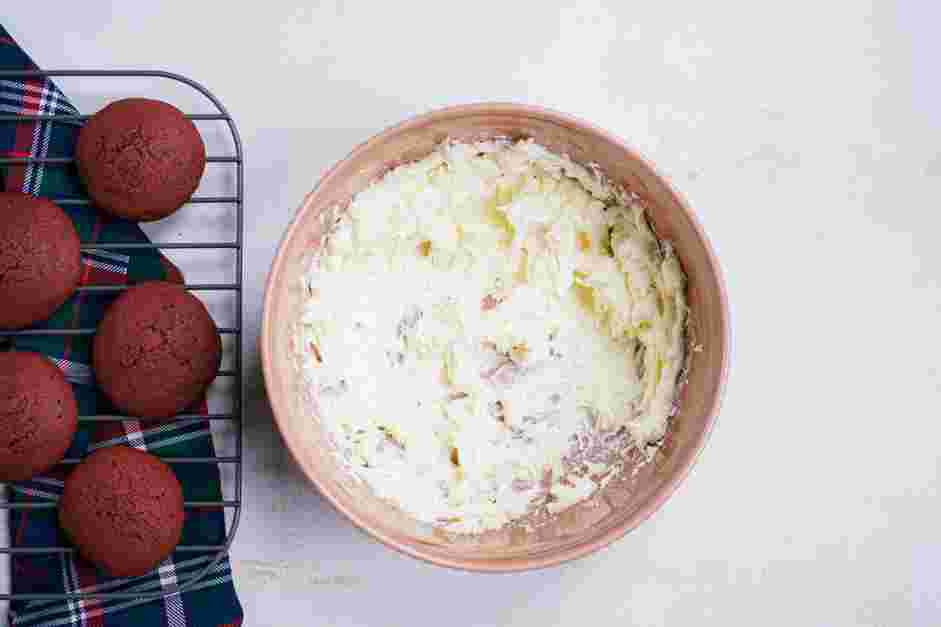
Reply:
x=624, y=503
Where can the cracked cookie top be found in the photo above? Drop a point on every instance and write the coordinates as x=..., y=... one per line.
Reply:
x=156, y=350
x=40, y=261
x=38, y=415
x=140, y=159
x=123, y=509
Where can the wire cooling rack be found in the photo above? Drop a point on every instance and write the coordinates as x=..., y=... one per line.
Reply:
x=235, y=415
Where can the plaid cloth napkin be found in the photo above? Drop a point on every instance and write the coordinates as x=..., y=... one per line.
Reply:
x=211, y=602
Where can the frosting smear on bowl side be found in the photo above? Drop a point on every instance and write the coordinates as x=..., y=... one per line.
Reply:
x=474, y=318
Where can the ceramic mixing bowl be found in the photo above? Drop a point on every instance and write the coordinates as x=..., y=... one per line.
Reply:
x=613, y=511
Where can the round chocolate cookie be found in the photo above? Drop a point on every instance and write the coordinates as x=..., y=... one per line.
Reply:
x=123, y=510
x=38, y=415
x=156, y=351
x=40, y=259
x=140, y=159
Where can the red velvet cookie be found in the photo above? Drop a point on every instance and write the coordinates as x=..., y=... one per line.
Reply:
x=156, y=351
x=123, y=510
x=40, y=259
x=38, y=415
x=140, y=159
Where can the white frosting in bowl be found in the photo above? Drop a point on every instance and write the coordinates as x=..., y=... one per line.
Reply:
x=474, y=315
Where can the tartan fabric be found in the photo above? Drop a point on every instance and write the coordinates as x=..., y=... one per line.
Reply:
x=211, y=602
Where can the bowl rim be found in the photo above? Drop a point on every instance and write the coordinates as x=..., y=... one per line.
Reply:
x=514, y=564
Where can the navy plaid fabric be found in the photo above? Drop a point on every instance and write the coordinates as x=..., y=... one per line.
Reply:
x=212, y=601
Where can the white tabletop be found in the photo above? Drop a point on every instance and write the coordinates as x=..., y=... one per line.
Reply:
x=808, y=137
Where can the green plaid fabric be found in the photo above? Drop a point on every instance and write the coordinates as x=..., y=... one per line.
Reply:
x=210, y=602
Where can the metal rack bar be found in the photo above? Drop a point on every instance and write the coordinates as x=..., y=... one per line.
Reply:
x=71, y=461
x=86, y=331
x=41, y=117
x=177, y=418
x=195, y=200
x=183, y=548
x=70, y=160
x=190, y=286
x=52, y=504
x=159, y=245
x=234, y=416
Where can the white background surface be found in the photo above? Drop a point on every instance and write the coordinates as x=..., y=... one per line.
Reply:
x=805, y=134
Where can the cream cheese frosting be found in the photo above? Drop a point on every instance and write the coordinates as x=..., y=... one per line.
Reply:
x=473, y=315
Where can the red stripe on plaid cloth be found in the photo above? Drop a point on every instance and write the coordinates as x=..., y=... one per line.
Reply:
x=86, y=577
x=94, y=274
x=91, y=275
x=87, y=273
x=25, y=137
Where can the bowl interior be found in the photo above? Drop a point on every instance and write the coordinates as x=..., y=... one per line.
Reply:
x=623, y=503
